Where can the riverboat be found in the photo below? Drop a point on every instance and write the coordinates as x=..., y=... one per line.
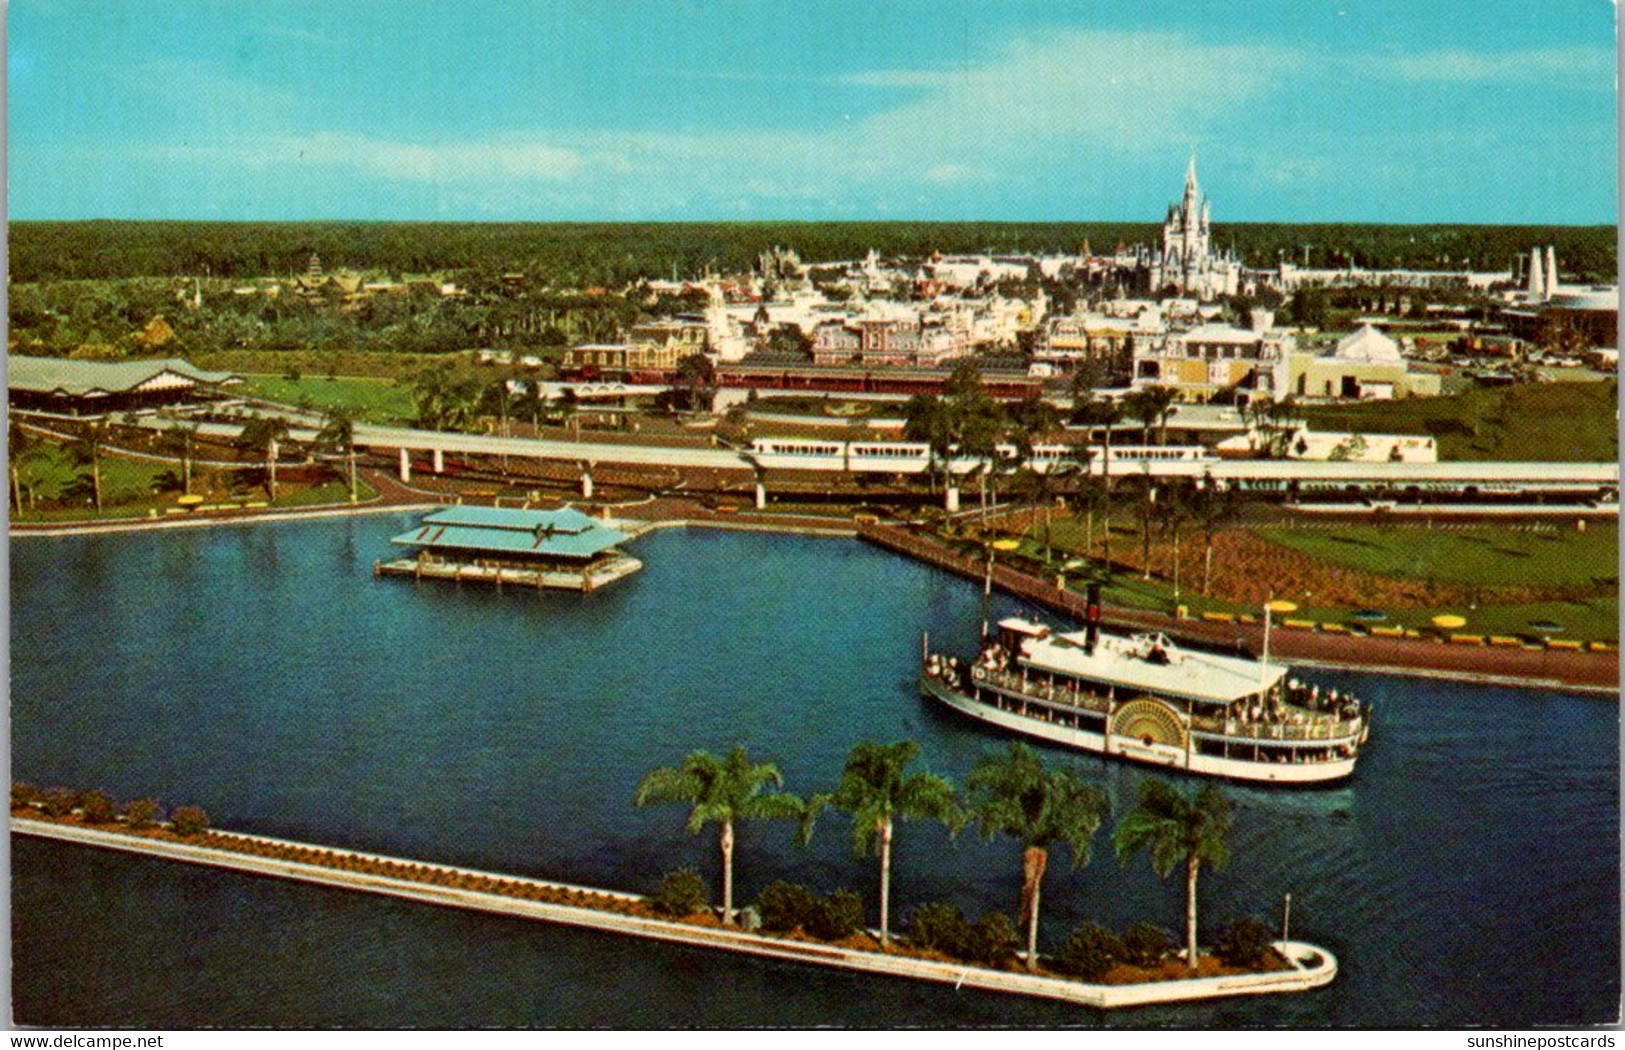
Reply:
x=1145, y=699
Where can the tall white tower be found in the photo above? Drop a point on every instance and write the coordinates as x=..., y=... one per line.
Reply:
x=1551, y=271
x=1537, y=277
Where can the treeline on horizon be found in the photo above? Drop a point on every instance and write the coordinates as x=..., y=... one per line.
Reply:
x=611, y=254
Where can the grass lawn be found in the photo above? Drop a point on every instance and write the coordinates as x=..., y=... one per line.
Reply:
x=369, y=399
x=129, y=489
x=317, y=363
x=1486, y=556
x=1571, y=422
x=824, y=407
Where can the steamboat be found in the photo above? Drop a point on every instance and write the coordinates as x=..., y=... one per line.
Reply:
x=1145, y=699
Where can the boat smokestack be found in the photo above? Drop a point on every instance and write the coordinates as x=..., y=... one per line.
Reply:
x=1091, y=617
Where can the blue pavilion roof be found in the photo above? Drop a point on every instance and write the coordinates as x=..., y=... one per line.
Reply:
x=566, y=533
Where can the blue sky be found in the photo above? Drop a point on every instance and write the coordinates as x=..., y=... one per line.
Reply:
x=1407, y=111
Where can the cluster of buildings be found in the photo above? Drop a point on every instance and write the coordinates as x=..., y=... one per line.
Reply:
x=343, y=286
x=1159, y=314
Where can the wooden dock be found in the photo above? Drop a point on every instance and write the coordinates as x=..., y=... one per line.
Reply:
x=584, y=580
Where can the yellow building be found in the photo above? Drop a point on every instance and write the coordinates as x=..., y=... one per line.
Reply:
x=1366, y=365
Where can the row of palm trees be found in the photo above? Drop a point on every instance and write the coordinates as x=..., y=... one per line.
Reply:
x=1012, y=794
x=261, y=437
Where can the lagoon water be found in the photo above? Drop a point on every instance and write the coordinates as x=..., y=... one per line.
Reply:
x=1468, y=875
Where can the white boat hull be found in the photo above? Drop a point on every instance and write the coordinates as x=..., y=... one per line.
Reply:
x=1153, y=754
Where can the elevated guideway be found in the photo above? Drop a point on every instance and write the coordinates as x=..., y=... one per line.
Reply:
x=1468, y=478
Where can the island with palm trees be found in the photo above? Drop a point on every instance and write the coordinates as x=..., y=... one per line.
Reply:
x=1145, y=699
x=1011, y=794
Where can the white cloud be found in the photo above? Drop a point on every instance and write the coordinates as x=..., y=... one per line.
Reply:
x=1071, y=102
x=1581, y=66
x=502, y=160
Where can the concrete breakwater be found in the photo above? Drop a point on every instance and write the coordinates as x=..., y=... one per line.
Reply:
x=615, y=912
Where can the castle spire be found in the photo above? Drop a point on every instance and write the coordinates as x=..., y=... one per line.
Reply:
x=1190, y=176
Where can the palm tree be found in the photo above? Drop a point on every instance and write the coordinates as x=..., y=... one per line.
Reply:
x=927, y=419
x=22, y=448
x=877, y=789
x=443, y=403
x=500, y=395
x=178, y=439
x=1215, y=508
x=87, y=449
x=1173, y=828
x=259, y=437
x=338, y=435
x=1015, y=795
x=1143, y=405
x=724, y=790
x=1176, y=511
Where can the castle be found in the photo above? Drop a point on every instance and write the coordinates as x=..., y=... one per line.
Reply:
x=1186, y=259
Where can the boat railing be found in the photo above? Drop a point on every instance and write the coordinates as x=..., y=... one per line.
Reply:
x=1046, y=691
x=1315, y=726
x=1315, y=729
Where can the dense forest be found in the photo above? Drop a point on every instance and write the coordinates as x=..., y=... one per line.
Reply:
x=610, y=254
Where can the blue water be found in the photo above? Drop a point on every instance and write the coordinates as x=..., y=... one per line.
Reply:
x=1469, y=874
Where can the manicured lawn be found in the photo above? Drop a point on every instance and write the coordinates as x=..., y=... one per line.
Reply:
x=1482, y=556
x=1478, y=564
x=372, y=400
x=130, y=489
x=1569, y=422
x=318, y=363
x=53, y=475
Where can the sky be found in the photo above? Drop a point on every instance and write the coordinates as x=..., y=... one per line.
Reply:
x=1299, y=111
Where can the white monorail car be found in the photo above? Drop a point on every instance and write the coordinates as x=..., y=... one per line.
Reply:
x=911, y=457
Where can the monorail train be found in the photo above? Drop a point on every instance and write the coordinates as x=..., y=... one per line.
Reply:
x=1388, y=484
x=909, y=457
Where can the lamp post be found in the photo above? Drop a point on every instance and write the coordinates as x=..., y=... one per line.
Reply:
x=1277, y=605
x=987, y=582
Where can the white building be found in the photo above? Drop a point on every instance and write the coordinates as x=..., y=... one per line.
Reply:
x=1187, y=260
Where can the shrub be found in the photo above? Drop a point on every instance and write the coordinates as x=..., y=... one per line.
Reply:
x=1244, y=942
x=98, y=807
x=681, y=892
x=24, y=794
x=1089, y=952
x=1145, y=944
x=189, y=820
x=993, y=940
x=58, y=802
x=838, y=915
x=940, y=928
x=785, y=906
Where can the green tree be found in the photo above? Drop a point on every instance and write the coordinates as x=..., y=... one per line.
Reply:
x=878, y=790
x=1174, y=514
x=87, y=450
x=927, y=419
x=177, y=439
x=696, y=381
x=337, y=436
x=22, y=449
x=1214, y=508
x=443, y=400
x=724, y=791
x=1151, y=405
x=1015, y=795
x=260, y=438
x=1173, y=829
